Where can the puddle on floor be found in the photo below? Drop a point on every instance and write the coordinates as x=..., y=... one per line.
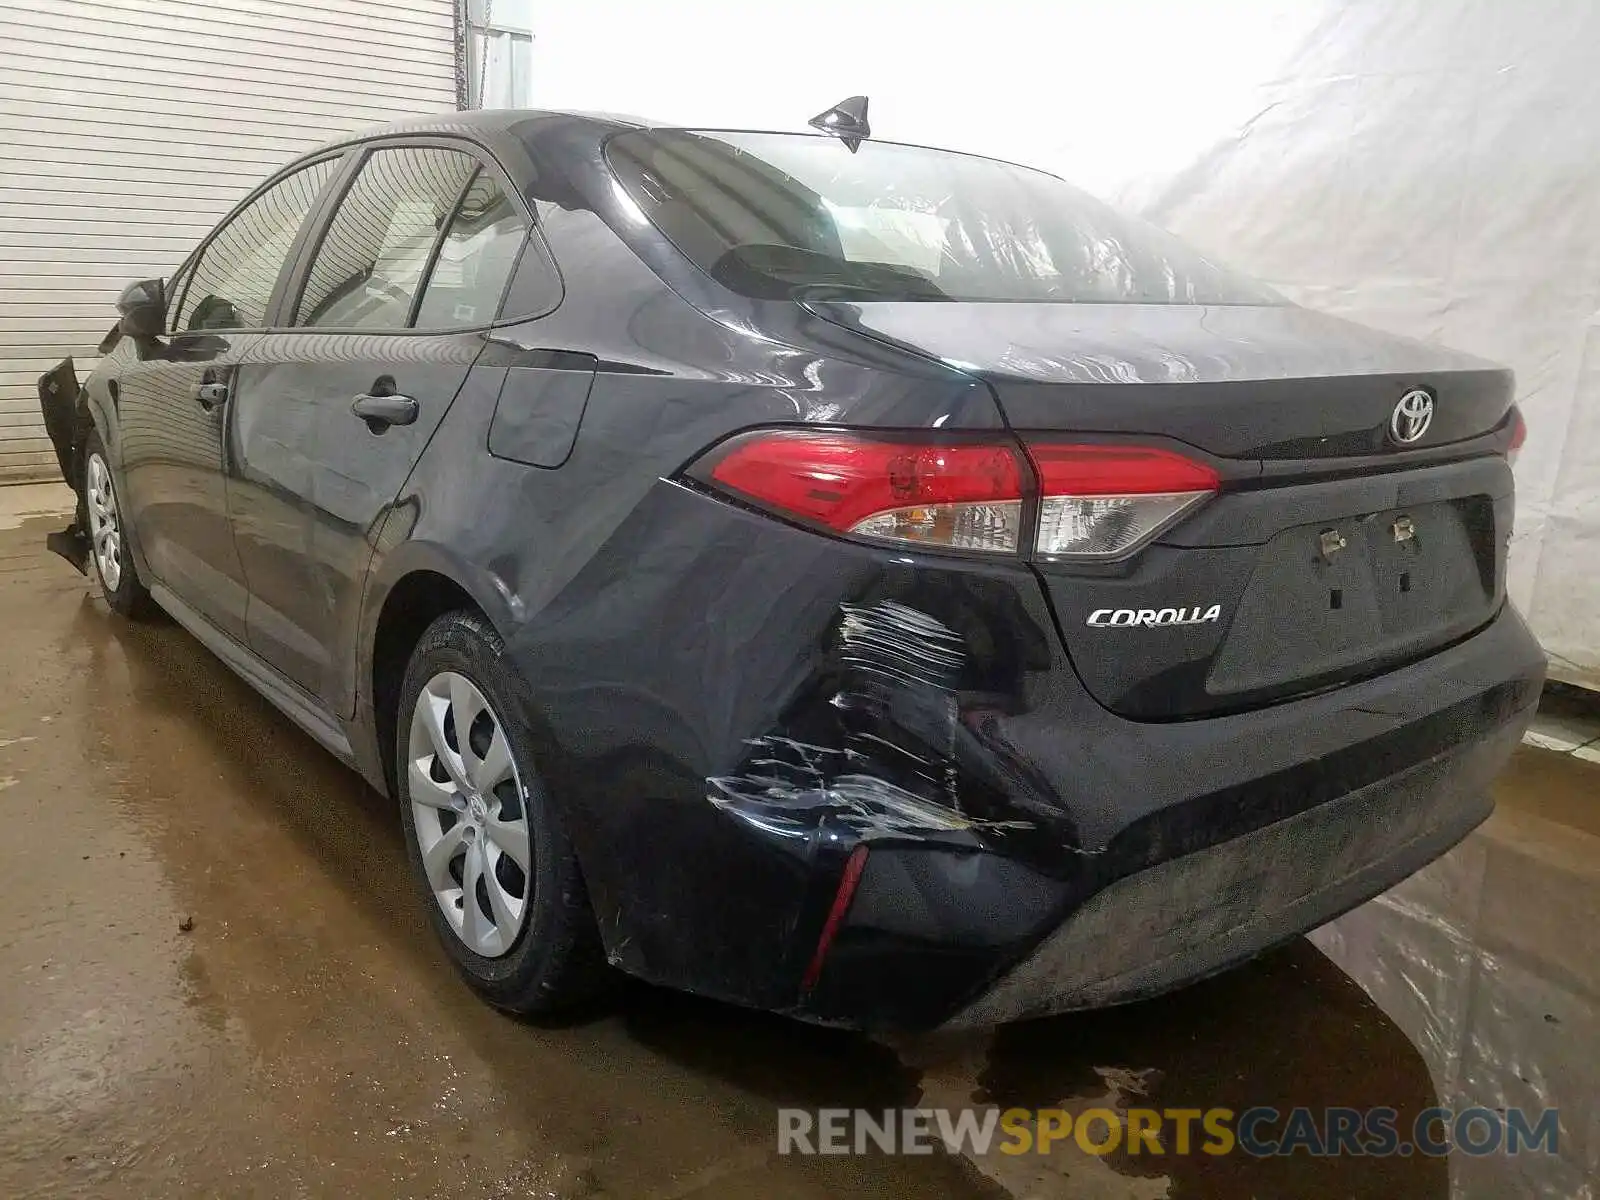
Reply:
x=303, y=1035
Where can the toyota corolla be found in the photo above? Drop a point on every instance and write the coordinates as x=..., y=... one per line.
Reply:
x=869, y=582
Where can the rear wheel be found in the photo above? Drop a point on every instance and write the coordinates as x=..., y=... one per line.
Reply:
x=108, y=548
x=489, y=851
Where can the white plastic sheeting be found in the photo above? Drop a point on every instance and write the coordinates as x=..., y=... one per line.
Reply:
x=1485, y=961
x=1434, y=168
x=1430, y=167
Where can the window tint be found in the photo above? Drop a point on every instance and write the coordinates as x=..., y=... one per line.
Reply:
x=475, y=259
x=232, y=281
x=371, y=260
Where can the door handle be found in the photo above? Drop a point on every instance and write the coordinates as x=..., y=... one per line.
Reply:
x=382, y=411
x=209, y=395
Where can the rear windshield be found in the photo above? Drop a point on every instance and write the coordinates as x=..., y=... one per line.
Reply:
x=772, y=215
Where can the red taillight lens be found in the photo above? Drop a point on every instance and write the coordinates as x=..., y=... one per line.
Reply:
x=1106, y=501
x=1519, y=434
x=1096, y=502
x=955, y=495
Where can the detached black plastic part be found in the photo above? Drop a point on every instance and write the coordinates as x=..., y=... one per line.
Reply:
x=847, y=121
x=58, y=399
x=71, y=545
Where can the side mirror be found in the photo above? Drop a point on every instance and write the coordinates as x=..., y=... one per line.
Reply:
x=143, y=306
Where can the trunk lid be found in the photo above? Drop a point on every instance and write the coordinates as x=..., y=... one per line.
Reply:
x=1249, y=382
x=1332, y=551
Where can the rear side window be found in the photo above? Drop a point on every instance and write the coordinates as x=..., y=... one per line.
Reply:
x=233, y=278
x=475, y=259
x=370, y=267
x=770, y=215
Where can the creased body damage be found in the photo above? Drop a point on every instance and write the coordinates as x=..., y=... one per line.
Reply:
x=792, y=787
x=891, y=770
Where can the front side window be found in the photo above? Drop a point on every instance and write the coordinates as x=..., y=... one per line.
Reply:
x=232, y=280
x=770, y=214
x=371, y=262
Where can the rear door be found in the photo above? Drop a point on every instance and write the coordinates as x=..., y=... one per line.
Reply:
x=172, y=397
x=332, y=412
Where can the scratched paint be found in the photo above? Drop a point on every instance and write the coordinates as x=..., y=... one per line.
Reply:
x=892, y=772
x=790, y=788
x=905, y=666
x=894, y=642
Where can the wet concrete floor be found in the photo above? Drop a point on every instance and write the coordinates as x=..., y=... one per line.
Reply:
x=305, y=1037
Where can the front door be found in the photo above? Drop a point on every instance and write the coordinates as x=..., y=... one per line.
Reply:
x=172, y=402
x=333, y=414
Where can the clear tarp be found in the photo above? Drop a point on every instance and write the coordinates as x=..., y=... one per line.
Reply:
x=1434, y=169
x=1430, y=167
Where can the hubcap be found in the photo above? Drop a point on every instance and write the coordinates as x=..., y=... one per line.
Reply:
x=105, y=531
x=469, y=809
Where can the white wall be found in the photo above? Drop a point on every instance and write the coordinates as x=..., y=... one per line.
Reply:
x=1427, y=166
x=959, y=73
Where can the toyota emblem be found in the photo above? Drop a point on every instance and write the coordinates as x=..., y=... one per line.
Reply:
x=1411, y=417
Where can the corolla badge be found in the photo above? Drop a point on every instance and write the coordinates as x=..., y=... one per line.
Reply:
x=1152, y=617
x=1411, y=417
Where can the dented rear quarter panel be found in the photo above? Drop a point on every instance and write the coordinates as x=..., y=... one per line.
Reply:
x=726, y=705
x=617, y=589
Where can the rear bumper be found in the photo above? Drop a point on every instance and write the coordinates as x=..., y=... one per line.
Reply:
x=730, y=707
x=1190, y=917
x=1196, y=885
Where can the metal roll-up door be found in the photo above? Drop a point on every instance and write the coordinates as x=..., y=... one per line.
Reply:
x=128, y=128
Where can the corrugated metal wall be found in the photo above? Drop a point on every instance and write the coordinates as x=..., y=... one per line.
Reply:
x=128, y=127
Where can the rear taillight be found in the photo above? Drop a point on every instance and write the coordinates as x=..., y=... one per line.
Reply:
x=1095, y=502
x=960, y=496
x=1519, y=434
x=1106, y=501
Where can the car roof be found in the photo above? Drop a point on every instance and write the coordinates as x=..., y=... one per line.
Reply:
x=550, y=134
x=488, y=124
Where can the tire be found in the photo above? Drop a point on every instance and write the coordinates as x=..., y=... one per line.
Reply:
x=109, y=557
x=543, y=953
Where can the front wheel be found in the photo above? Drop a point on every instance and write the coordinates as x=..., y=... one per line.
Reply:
x=488, y=848
x=108, y=547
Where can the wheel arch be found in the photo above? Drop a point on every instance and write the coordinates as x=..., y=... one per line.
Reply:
x=417, y=583
x=95, y=414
